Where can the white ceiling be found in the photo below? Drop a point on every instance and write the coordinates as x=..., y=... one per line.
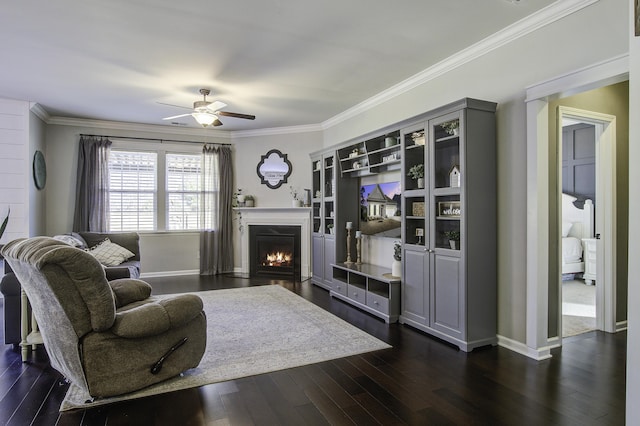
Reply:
x=289, y=62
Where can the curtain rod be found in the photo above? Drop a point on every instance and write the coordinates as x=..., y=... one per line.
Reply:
x=153, y=139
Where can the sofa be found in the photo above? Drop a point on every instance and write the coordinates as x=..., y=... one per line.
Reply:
x=10, y=286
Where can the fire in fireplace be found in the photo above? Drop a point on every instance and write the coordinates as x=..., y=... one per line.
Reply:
x=274, y=250
x=279, y=259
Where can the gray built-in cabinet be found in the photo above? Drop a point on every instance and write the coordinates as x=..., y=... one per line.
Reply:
x=332, y=202
x=449, y=225
x=448, y=288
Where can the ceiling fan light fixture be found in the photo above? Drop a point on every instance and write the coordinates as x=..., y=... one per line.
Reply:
x=204, y=118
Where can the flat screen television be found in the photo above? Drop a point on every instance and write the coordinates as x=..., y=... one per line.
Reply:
x=380, y=209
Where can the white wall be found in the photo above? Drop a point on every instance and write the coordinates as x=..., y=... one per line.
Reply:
x=588, y=36
x=633, y=333
x=15, y=177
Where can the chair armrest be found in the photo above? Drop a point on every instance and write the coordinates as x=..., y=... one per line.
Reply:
x=126, y=290
x=157, y=317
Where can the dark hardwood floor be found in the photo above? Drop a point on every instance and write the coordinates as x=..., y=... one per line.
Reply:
x=421, y=380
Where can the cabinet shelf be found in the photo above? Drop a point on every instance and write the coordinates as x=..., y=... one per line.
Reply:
x=448, y=138
x=447, y=218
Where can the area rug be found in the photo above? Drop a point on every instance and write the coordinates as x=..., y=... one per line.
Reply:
x=255, y=330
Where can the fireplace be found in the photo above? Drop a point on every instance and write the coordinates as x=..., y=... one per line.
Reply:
x=274, y=251
x=298, y=217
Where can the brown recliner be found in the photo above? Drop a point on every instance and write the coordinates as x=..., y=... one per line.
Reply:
x=107, y=338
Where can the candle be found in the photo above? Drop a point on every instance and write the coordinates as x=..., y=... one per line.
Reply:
x=358, y=234
x=349, y=225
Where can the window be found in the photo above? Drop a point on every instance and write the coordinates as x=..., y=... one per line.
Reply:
x=132, y=191
x=155, y=190
x=184, y=183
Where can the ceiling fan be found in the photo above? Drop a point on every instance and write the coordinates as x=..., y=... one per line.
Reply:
x=207, y=113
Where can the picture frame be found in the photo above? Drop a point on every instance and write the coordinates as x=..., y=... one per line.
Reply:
x=417, y=208
x=449, y=209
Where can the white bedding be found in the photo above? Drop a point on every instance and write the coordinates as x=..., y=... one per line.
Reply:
x=571, y=250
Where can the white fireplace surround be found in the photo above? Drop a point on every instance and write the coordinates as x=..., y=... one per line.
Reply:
x=287, y=216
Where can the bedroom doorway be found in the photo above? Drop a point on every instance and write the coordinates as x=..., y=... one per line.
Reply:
x=581, y=302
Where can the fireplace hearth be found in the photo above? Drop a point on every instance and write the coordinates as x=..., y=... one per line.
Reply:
x=274, y=251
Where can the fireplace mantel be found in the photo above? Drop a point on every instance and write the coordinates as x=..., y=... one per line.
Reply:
x=296, y=216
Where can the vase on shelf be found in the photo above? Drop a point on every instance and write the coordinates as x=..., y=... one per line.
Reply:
x=420, y=183
x=296, y=203
x=396, y=268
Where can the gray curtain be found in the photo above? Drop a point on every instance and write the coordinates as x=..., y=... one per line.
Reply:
x=92, y=185
x=216, y=237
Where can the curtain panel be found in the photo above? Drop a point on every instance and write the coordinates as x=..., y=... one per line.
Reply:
x=92, y=185
x=216, y=237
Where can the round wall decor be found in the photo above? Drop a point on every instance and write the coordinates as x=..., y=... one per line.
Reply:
x=39, y=170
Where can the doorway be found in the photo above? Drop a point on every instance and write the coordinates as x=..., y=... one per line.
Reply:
x=587, y=171
x=578, y=185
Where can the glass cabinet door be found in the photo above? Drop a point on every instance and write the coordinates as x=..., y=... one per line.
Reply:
x=446, y=170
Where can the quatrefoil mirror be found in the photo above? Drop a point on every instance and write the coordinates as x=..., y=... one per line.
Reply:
x=274, y=169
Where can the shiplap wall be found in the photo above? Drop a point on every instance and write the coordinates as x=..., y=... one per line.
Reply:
x=14, y=168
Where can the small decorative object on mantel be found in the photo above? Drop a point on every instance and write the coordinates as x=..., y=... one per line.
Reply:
x=296, y=202
x=454, y=177
x=396, y=265
x=451, y=127
x=238, y=198
x=249, y=201
x=417, y=173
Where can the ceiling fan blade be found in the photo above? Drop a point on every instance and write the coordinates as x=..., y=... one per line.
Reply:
x=172, y=105
x=236, y=115
x=215, y=106
x=175, y=116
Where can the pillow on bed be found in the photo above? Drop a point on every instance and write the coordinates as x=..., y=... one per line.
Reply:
x=566, y=228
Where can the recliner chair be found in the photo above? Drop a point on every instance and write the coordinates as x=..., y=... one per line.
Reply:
x=108, y=338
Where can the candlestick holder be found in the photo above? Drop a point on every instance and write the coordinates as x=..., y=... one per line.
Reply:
x=348, y=261
x=358, y=250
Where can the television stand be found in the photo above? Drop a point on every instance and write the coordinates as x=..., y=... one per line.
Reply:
x=368, y=287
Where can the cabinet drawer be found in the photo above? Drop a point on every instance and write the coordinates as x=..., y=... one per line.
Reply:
x=378, y=303
x=340, y=287
x=357, y=293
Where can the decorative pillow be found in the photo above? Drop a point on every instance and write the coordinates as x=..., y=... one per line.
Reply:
x=69, y=239
x=566, y=228
x=110, y=254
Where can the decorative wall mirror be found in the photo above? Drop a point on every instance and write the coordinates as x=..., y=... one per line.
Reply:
x=274, y=169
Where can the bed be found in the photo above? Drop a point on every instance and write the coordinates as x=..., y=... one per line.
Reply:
x=577, y=223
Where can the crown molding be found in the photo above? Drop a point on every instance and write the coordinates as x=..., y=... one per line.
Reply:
x=309, y=128
x=138, y=127
x=40, y=112
x=545, y=16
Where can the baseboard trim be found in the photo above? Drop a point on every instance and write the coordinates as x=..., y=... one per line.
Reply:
x=621, y=326
x=519, y=347
x=169, y=273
